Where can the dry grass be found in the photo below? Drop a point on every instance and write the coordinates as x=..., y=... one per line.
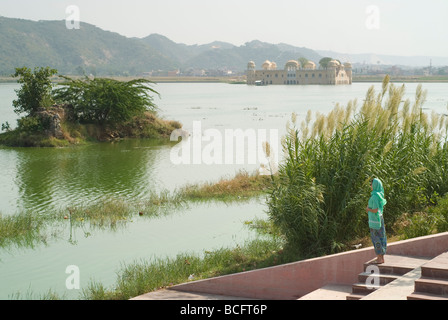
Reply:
x=243, y=185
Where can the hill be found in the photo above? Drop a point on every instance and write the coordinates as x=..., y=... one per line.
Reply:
x=88, y=49
x=93, y=50
x=219, y=55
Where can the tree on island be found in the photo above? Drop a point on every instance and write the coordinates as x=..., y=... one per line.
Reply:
x=36, y=90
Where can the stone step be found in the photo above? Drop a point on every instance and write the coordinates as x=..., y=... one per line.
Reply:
x=380, y=279
x=398, y=289
x=432, y=286
x=426, y=296
x=437, y=268
x=397, y=265
x=433, y=283
x=363, y=289
x=354, y=296
x=394, y=267
x=435, y=273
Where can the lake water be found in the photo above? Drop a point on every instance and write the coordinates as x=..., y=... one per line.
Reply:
x=43, y=180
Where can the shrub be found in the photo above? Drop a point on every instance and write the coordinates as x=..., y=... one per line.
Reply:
x=32, y=124
x=103, y=100
x=36, y=89
x=441, y=212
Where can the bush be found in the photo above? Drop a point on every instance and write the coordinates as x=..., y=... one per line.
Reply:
x=335, y=159
x=417, y=225
x=295, y=207
x=104, y=100
x=36, y=89
x=441, y=212
x=32, y=124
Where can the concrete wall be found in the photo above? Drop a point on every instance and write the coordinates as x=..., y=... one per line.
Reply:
x=293, y=280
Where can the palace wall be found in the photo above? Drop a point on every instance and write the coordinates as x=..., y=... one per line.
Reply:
x=292, y=74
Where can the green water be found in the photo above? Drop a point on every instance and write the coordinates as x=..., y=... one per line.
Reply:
x=49, y=178
x=99, y=253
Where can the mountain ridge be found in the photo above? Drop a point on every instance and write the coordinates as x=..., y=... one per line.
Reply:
x=91, y=49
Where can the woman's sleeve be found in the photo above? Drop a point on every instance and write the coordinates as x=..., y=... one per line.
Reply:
x=373, y=202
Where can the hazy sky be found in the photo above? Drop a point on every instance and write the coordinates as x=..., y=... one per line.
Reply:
x=397, y=27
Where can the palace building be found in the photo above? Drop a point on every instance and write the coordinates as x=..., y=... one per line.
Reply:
x=293, y=73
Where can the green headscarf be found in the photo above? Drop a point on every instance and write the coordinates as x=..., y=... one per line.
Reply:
x=378, y=191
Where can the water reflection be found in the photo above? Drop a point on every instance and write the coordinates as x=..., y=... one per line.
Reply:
x=51, y=178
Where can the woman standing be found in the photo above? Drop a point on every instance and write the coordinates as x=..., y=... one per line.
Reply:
x=376, y=221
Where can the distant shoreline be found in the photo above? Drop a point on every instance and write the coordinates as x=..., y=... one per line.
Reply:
x=379, y=78
x=153, y=79
x=241, y=80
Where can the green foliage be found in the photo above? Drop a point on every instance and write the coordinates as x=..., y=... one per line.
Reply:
x=441, y=212
x=90, y=49
x=144, y=276
x=20, y=229
x=324, y=62
x=102, y=100
x=303, y=61
x=31, y=124
x=336, y=158
x=295, y=207
x=36, y=89
x=419, y=224
x=6, y=126
x=433, y=220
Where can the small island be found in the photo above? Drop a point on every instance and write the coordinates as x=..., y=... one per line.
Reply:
x=77, y=111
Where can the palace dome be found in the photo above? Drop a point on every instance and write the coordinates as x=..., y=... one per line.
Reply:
x=333, y=63
x=292, y=64
x=310, y=65
x=266, y=65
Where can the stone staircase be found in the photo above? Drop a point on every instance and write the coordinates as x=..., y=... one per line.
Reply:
x=377, y=276
x=433, y=283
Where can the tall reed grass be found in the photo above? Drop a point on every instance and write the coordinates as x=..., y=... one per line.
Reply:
x=319, y=198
